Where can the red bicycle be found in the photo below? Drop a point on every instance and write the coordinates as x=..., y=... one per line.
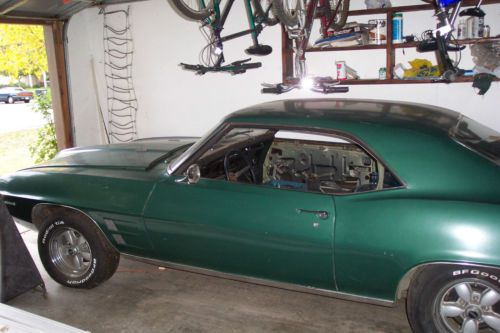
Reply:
x=298, y=16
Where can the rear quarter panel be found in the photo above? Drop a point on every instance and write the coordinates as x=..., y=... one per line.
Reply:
x=380, y=236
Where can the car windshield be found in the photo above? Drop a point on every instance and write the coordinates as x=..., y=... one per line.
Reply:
x=478, y=137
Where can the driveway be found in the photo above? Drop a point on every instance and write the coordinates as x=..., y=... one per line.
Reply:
x=18, y=116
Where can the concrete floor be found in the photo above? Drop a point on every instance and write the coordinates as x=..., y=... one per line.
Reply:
x=144, y=298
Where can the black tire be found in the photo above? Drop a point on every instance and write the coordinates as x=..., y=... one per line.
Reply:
x=189, y=10
x=342, y=13
x=286, y=14
x=260, y=12
x=10, y=100
x=444, y=298
x=68, y=239
x=26, y=101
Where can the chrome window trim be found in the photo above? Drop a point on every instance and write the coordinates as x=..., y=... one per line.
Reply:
x=225, y=127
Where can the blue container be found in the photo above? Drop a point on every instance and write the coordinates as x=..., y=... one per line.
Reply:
x=446, y=3
x=397, y=27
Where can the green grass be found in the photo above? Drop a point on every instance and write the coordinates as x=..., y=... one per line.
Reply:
x=14, y=150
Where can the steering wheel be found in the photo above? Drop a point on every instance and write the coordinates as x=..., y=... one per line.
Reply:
x=247, y=171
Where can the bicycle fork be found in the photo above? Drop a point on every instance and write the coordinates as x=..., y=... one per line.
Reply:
x=302, y=39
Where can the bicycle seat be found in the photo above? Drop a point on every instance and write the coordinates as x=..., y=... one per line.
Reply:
x=431, y=45
x=259, y=49
x=476, y=11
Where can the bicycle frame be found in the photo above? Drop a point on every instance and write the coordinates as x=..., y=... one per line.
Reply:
x=220, y=18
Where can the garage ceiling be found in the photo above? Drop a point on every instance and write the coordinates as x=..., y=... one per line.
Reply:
x=49, y=9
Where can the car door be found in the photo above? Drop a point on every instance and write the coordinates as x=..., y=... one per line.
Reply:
x=259, y=231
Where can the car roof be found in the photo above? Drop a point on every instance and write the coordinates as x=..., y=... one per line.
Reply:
x=411, y=139
x=340, y=113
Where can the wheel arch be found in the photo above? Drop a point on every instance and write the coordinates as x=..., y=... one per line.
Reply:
x=411, y=274
x=42, y=211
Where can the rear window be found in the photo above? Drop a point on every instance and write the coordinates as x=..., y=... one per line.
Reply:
x=478, y=137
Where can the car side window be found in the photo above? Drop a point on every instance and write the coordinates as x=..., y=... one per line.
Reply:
x=294, y=160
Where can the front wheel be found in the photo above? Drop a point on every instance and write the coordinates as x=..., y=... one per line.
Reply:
x=339, y=8
x=74, y=251
x=288, y=11
x=455, y=299
x=193, y=9
x=10, y=100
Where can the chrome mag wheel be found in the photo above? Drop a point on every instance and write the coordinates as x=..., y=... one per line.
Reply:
x=469, y=306
x=70, y=252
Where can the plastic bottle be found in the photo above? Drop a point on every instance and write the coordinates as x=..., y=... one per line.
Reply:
x=462, y=32
x=397, y=27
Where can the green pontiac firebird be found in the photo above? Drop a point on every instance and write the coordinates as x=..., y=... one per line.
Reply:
x=363, y=200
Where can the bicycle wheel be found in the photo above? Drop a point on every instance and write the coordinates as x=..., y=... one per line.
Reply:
x=287, y=11
x=193, y=9
x=262, y=12
x=340, y=15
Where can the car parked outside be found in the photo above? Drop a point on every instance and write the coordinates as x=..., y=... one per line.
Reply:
x=372, y=201
x=11, y=95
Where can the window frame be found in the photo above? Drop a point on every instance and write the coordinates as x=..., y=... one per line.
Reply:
x=181, y=166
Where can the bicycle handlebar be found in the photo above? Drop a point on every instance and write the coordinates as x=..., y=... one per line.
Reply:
x=321, y=86
x=237, y=67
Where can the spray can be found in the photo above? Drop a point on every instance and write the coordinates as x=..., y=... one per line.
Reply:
x=341, y=70
x=397, y=27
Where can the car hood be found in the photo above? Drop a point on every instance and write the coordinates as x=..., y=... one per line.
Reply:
x=137, y=155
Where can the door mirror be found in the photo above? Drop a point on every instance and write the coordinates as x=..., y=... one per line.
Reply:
x=193, y=174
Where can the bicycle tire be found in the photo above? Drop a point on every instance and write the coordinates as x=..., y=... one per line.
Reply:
x=288, y=16
x=260, y=12
x=341, y=16
x=189, y=12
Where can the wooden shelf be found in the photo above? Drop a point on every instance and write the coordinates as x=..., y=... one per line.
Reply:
x=412, y=8
x=348, y=48
x=389, y=46
x=469, y=41
x=463, y=79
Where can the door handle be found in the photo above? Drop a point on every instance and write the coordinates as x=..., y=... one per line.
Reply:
x=319, y=213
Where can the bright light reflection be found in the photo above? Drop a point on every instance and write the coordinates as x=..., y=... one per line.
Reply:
x=470, y=237
x=306, y=83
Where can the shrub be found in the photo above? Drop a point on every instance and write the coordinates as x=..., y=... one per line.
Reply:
x=45, y=147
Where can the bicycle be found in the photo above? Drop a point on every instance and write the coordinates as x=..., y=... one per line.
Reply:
x=447, y=12
x=298, y=16
x=212, y=18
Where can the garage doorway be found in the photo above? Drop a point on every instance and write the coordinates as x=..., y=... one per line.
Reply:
x=19, y=124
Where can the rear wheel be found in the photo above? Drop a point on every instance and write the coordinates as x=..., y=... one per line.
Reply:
x=288, y=11
x=193, y=9
x=455, y=299
x=74, y=251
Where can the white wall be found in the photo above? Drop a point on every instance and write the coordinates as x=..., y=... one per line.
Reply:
x=177, y=102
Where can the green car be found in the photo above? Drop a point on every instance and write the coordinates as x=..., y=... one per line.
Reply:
x=363, y=200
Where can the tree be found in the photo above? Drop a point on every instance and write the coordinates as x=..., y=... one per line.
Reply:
x=22, y=50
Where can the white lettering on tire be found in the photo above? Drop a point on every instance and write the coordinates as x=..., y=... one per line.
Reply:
x=478, y=273
x=49, y=228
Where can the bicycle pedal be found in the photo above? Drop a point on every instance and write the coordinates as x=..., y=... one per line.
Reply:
x=259, y=49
